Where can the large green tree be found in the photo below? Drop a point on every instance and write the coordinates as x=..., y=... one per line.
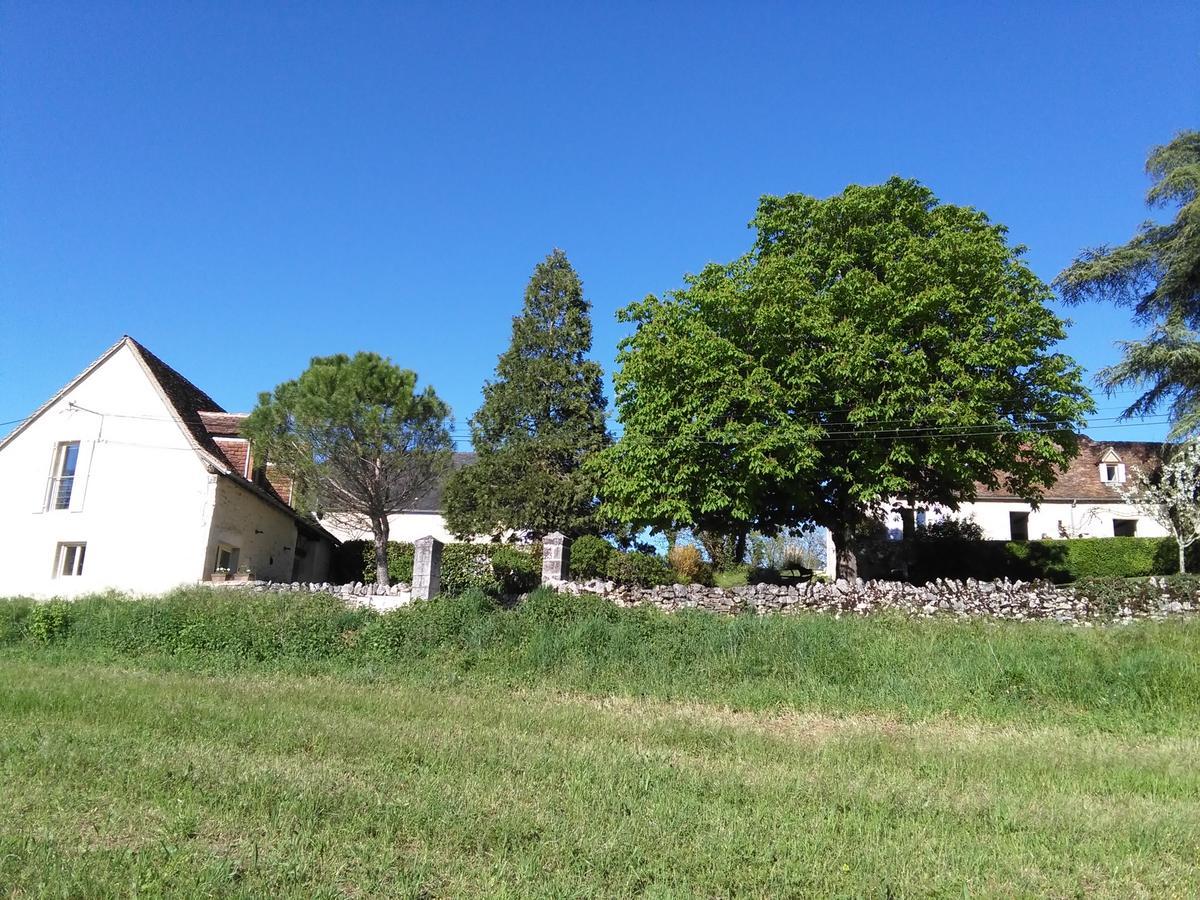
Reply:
x=542, y=417
x=357, y=437
x=873, y=345
x=1157, y=275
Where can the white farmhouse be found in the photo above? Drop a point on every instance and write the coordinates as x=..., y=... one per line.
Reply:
x=1084, y=502
x=133, y=478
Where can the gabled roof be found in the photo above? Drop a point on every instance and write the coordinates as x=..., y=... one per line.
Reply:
x=1081, y=480
x=431, y=500
x=189, y=406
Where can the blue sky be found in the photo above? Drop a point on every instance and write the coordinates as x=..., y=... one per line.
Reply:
x=244, y=186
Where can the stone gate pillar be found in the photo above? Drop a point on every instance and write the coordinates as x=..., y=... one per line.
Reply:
x=556, y=558
x=427, y=568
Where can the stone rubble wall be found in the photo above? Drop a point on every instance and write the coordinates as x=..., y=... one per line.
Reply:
x=1014, y=600
x=354, y=594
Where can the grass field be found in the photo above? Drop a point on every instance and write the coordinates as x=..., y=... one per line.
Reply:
x=477, y=768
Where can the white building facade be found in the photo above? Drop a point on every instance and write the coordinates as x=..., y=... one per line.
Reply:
x=118, y=483
x=1085, y=502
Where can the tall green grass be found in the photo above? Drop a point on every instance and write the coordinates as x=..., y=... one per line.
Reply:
x=1143, y=677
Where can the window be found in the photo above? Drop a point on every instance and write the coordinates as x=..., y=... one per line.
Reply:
x=62, y=482
x=1112, y=470
x=227, y=558
x=68, y=561
x=1018, y=526
x=1124, y=527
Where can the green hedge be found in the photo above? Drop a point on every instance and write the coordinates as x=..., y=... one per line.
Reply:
x=589, y=557
x=1059, y=561
x=495, y=569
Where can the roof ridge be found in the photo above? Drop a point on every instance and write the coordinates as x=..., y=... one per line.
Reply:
x=160, y=368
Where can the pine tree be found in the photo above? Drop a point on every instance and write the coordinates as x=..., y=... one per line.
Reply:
x=542, y=417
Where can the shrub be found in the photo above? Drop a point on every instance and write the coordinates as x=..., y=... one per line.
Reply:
x=400, y=561
x=590, y=556
x=468, y=567
x=689, y=565
x=952, y=529
x=641, y=569
x=515, y=570
x=495, y=569
x=49, y=621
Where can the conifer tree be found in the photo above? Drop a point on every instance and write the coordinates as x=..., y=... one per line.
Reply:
x=1156, y=274
x=542, y=417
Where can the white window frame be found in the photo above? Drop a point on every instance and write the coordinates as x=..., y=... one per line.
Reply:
x=68, y=559
x=54, y=499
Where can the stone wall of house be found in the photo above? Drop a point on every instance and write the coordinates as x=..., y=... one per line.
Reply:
x=1014, y=600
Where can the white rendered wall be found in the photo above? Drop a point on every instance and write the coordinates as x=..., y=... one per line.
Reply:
x=404, y=527
x=146, y=499
x=1082, y=519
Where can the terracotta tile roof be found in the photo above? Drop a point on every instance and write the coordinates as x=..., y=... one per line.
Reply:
x=236, y=452
x=186, y=399
x=223, y=424
x=1081, y=480
x=278, y=482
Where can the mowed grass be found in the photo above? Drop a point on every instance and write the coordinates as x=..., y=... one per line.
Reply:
x=124, y=781
x=216, y=744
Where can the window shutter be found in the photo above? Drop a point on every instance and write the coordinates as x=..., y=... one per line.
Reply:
x=41, y=490
x=83, y=465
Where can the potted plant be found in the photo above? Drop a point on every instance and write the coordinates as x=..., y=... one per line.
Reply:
x=219, y=575
x=244, y=573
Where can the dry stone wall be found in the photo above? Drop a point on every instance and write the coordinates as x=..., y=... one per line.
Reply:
x=355, y=594
x=1014, y=600
x=1011, y=600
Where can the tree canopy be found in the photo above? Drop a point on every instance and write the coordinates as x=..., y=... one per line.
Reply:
x=1157, y=275
x=542, y=417
x=357, y=437
x=873, y=345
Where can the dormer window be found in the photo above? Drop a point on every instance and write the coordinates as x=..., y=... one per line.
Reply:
x=1112, y=470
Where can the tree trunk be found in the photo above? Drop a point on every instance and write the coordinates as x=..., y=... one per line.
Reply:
x=1182, y=557
x=739, y=548
x=380, y=527
x=672, y=538
x=843, y=545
